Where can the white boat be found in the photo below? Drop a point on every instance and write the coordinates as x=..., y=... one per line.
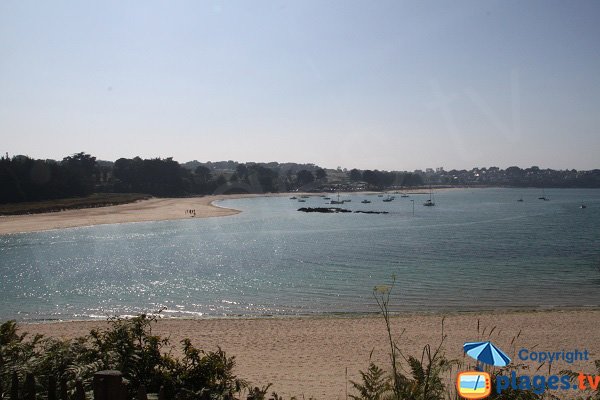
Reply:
x=365, y=201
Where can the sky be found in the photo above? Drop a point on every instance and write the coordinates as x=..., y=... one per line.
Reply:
x=395, y=85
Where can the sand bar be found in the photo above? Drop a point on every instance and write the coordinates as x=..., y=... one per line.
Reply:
x=309, y=356
x=155, y=209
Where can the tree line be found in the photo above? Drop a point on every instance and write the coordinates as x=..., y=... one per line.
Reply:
x=24, y=179
x=382, y=179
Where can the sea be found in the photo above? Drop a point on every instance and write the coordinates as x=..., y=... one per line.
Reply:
x=475, y=250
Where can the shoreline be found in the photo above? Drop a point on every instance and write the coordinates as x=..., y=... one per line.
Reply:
x=308, y=356
x=333, y=315
x=153, y=209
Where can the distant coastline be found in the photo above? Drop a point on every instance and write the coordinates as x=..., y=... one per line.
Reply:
x=138, y=209
x=150, y=209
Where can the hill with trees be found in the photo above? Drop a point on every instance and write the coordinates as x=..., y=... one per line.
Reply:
x=24, y=179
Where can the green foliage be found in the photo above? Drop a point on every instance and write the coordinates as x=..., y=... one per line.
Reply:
x=24, y=179
x=374, y=384
x=127, y=345
x=410, y=377
x=92, y=201
x=304, y=177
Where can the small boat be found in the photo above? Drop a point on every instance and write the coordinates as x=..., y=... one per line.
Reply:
x=301, y=201
x=429, y=203
x=583, y=206
x=326, y=198
x=347, y=201
x=543, y=196
x=404, y=195
x=520, y=200
x=338, y=201
x=388, y=199
x=365, y=201
x=293, y=198
x=305, y=196
x=379, y=195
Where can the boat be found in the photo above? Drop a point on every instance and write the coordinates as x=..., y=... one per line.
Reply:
x=520, y=200
x=430, y=202
x=583, y=206
x=404, y=195
x=379, y=195
x=301, y=201
x=543, y=197
x=293, y=198
x=326, y=198
x=305, y=196
x=365, y=201
x=338, y=201
x=388, y=199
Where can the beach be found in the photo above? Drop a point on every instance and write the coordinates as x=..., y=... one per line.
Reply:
x=155, y=209
x=315, y=356
x=306, y=357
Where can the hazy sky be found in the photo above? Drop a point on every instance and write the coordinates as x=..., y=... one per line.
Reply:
x=368, y=84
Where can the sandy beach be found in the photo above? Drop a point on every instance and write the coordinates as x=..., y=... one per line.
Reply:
x=155, y=209
x=306, y=357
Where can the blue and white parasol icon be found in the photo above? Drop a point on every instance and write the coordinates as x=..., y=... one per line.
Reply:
x=487, y=353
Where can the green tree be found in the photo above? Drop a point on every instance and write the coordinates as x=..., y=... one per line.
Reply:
x=304, y=177
x=355, y=175
x=320, y=174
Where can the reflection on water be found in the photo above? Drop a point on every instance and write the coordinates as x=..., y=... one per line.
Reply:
x=476, y=249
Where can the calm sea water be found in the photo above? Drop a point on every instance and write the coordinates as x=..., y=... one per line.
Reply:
x=477, y=249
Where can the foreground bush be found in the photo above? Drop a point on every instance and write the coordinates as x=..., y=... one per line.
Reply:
x=127, y=345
